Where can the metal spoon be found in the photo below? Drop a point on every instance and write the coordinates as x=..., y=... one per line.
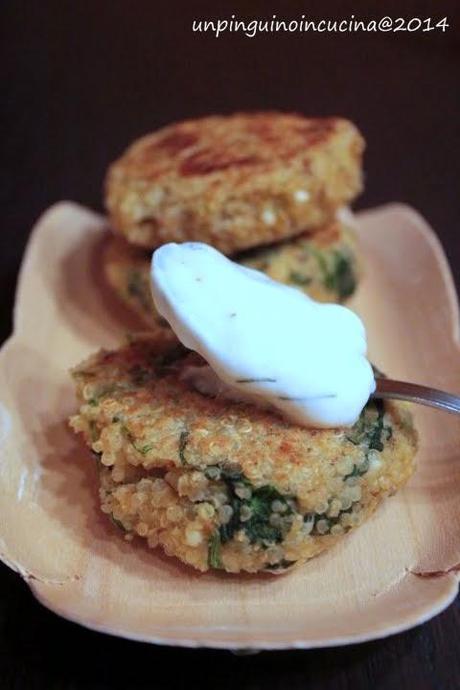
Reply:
x=411, y=392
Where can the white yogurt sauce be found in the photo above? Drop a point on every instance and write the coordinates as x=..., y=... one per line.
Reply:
x=265, y=342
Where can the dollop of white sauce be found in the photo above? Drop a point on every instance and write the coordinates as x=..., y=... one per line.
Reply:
x=265, y=342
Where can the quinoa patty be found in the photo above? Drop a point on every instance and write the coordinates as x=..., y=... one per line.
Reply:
x=228, y=485
x=322, y=264
x=236, y=181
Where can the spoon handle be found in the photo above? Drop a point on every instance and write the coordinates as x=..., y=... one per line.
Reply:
x=423, y=395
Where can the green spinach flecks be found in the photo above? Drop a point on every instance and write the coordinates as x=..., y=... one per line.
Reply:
x=183, y=439
x=258, y=504
x=330, y=521
x=359, y=470
x=337, y=271
x=342, y=278
x=117, y=523
x=370, y=430
x=214, y=560
x=138, y=287
x=297, y=278
x=143, y=450
x=282, y=565
x=258, y=527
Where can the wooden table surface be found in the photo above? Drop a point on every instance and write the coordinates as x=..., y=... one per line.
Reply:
x=80, y=81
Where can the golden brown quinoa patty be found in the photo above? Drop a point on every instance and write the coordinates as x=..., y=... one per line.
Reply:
x=322, y=264
x=234, y=181
x=227, y=485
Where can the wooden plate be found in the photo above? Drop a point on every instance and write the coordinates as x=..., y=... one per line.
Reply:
x=396, y=571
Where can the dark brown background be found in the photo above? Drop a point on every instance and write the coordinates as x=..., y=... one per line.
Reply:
x=82, y=79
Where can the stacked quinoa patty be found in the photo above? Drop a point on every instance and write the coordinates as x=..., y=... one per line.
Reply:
x=225, y=485
x=264, y=188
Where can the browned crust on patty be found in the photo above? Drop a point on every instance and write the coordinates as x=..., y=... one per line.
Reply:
x=234, y=181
